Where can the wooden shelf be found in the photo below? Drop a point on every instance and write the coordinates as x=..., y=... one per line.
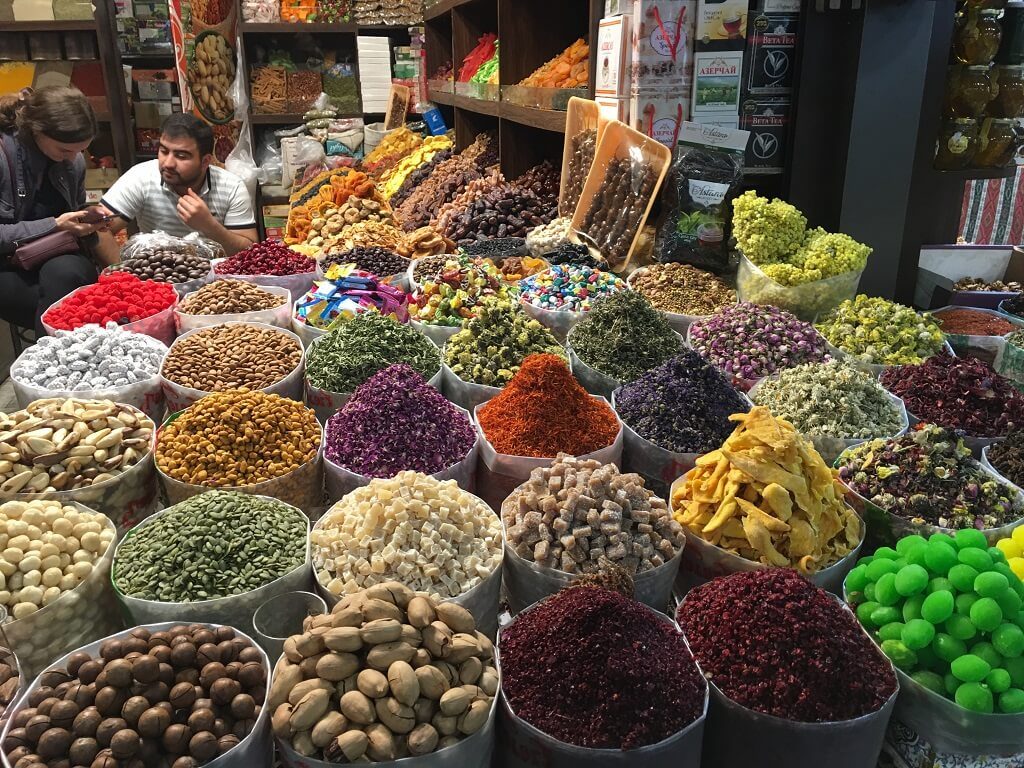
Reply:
x=441, y=8
x=970, y=174
x=285, y=27
x=442, y=97
x=288, y=118
x=546, y=119
x=74, y=25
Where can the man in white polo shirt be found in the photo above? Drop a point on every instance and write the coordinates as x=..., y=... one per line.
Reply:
x=181, y=192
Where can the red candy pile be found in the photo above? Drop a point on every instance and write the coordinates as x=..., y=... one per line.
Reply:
x=118, y=297
x=267, y=258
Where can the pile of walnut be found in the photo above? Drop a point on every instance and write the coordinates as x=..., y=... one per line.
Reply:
x=388, y=674
x=327, y=230
x=425, y=242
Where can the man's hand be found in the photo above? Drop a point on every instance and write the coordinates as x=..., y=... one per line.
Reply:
x=71, y=222
x=193, y=211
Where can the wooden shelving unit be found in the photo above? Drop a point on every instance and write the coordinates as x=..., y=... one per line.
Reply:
x=526, y=135
x=74, y=25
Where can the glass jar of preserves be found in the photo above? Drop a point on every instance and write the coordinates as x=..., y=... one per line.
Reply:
x=958, y=141
x=998, y=142
x=977, y=36
x=968, y=91
x=1011, y=50
x=1009, y=101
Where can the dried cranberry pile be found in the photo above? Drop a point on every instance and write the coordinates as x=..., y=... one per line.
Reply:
x=266, y=258
x=596, y=669
x=775, y=643
x=958, y=393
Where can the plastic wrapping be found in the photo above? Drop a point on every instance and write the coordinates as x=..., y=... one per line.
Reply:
x=986, y=348
x=146, y=395
x=8, y=657
x=465, y=394
x=583, y=115
x=1010, y=364
x=886, y=528
x=558, y=321
x=703, y=561
x=340, y=481
x=680, y=323
x=481, y=601
x=303, y=487
x=279, y=317
x=831, y=447
x=79, y=616
x=297, y=285
x=439, y=334
x=254, y=751
x=806, y=301
x=498, y=474
x=524, y=746
x=180, y=397
x=236, y=610
x=307, y=333
x=160, y=326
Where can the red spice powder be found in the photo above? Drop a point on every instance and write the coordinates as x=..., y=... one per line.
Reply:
x=971, y=322
x=775, y=643
x=593, y=668
x=544, y=411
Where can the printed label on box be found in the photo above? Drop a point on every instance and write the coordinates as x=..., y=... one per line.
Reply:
x=768, y=123
x=660, y=114
x=613, y=108
x=724, y=20
x=662, y=43
x=717, y=82
x=772, y=58
x=612, y=43
x=781, y=6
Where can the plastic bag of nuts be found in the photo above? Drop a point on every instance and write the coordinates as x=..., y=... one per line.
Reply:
x=184, y=262
x=224, y=301
x=414, y=676
x=123, y=438
x=203, y=704
x=82, y=611
x=237, y=354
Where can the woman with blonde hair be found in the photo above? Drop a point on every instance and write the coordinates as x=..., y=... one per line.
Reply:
x=42, y=195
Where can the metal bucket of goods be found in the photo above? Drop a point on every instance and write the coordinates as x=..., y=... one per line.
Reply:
x=499, y=474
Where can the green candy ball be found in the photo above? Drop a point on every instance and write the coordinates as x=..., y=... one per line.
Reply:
x=986, y=614
x=885, y=589
x=962, y=577
x=948, y=648
x=940, y=584
x=899, y=655
x=1010, y=602
x=940, y=557
x=1008, y=639
x=960, y=627
x=975, y=697
x=1015, y=667
x=912, y=607
x=970, y=668
x=968, y=538
x=910, y=580
x=986, y=651
x=884, y=614
x=891, y=631
x=864, y=611
x=990, y=584
x=937, y=607
x=909, y=543
x=1011, y=701
x=887, y=553
x=978, y=559
x=930, y=680
x=856, y=579
x=998, y=680
x=917, y=633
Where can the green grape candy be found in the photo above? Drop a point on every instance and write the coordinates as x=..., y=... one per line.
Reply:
x=986, y=651
x=1016, y=669
x=917, y=633
x=885, y=590
x=926, y=659
x=960, y=627
x=962, y=577
x=879, y=567
x=899, y=654
x=950, y=683
x=964, y=602
x=1011, y=701
x=948, y=648
x=937, y=607
x=986, y=614
x=911, y=580
x=976, y=558
x=940, y=584
x=891, y=631
x=997, y=555
x=912, y=607
x=909, y=543
x=1010, y=602
x=970, y=668
x=869, y=592
x=940, y=557
x=856, y=579
x=864, y=611
x=945, y=538
x=887, y=553
x=1008, y=639
x=917, y=556
x=970, y=538
x=885, y=614
x=974, y=696
x=998, y=680
x=930, y=680
x=991, y=584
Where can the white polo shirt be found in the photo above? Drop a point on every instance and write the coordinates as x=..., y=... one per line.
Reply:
x=141, y=195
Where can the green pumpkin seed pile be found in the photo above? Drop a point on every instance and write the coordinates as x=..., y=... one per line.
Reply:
x=214, y=545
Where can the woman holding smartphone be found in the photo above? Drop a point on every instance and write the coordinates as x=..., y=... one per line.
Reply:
x=42, y=191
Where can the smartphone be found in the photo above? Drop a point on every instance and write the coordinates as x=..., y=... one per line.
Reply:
x=95, y=215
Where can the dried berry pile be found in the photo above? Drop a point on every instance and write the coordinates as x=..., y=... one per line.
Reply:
x=777, y=644
x=266, y=258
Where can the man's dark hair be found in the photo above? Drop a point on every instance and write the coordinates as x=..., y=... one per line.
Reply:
x=181, y=124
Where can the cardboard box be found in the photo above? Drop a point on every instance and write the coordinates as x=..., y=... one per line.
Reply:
x=151, y=114
x=616, y=7
x=613, y=46
x=716, y=83
x=771, y=58
x=275, y=218
x=718, y=119
x=660, y=113
x=661, y=54
x=767, y=120
x=155, y=84
x=33, y=10
x=159, y=11
x=722, y=24
x=613, y=107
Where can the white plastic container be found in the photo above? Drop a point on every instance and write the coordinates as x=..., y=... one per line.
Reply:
x=296, y=284
x=278, y=317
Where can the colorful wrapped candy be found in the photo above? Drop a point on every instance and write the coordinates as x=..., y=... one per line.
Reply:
x=570, y=288
x=457, y=293
x=348, y=292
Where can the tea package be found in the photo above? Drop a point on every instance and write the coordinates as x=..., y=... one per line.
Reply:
x=702, y=184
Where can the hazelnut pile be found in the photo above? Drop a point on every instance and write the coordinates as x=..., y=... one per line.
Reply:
x=177, y=698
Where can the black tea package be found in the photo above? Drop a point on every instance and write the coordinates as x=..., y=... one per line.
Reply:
x=701, y=185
